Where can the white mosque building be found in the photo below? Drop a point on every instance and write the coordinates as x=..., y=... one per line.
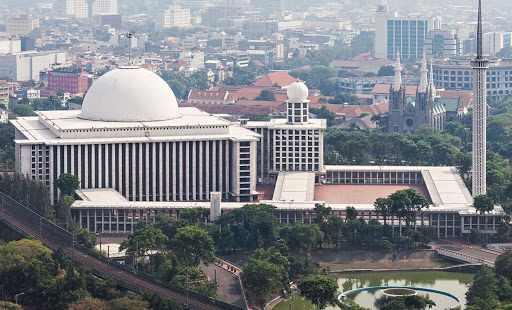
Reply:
x=138, y=154
x=131, y=136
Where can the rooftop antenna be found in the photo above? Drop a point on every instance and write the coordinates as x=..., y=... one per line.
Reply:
x=479, y=32
x=129, y=35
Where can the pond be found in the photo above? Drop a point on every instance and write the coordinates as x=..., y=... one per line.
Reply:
x=454, y=283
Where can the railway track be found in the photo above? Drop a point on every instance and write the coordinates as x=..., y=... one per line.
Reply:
x=54, y=237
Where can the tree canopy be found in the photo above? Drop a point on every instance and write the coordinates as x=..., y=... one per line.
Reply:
x=320, y=290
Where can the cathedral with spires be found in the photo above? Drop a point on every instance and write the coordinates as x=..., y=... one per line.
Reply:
x=407, y=114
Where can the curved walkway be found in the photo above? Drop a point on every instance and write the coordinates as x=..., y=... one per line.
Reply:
x=373, y=288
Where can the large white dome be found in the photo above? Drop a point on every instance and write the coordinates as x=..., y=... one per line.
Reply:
x=129, y=94
x=297, y=92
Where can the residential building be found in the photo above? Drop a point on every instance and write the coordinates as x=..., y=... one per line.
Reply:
x=4, y=94
x=442, y=44
x=9, y=45
x=405, y=35
x=25, y=66
x=195, y=58
x=172, y=16
x=21, y=25
x=68, y=80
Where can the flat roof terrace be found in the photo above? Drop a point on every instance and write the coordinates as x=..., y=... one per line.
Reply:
x=362, y=193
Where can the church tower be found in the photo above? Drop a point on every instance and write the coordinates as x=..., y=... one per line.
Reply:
x=424, y=99
x=397, y=100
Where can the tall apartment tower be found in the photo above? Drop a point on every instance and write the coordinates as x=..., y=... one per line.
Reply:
x=405, y=35
x=480, y=66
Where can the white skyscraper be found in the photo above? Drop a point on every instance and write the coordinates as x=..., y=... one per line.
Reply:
x=89, y=8
x=480, y=66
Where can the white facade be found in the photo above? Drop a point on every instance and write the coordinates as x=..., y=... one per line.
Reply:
x=172, y=16
x=82, y=9
x=21, y=26
x=492, y=42
x=194, y=58
x=25, y=66
x=291, y=144
x=177, y=159
x=10, y=45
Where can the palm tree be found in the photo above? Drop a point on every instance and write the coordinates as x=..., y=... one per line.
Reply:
x=353, y=126
x=376, y=119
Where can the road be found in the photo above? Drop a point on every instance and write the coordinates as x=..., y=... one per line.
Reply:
x=228, y=289
x=474, y=252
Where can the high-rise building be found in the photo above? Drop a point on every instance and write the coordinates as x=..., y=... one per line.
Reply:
x=21, y=25
x=480, y=66
x=172, y=16
x=404, y=35
x=442, y=44
x=89, y=8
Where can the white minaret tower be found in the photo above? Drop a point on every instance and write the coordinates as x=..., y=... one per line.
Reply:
x=480, y=66
x=297, y=103
x=423, y=75
x=398, y=73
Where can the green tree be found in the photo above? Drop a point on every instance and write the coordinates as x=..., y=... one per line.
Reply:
x=386, y=71
x=4, y=305
x=253, y=226
x=351, y=213
x=483, y=205
x=23, y=110
x=145, y=237
x=68, y=184
x=383, y=207
x=263, y=278
x=482, y=293
x=302, y=237
x=320, y=290
x=266, y=95
x=192, y=244
x=364, y=42
x=503, y=265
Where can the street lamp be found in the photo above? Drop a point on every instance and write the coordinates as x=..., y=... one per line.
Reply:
x=99, y=234
x=16, y=297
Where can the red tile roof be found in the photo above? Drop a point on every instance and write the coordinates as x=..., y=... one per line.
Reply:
x=466, y=97
x=232, y=109
x=353, y=111
x=196, y=94
x=279, y=78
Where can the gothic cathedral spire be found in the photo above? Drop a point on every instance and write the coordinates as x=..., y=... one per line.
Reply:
x=423, y=75
x=398, y=73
